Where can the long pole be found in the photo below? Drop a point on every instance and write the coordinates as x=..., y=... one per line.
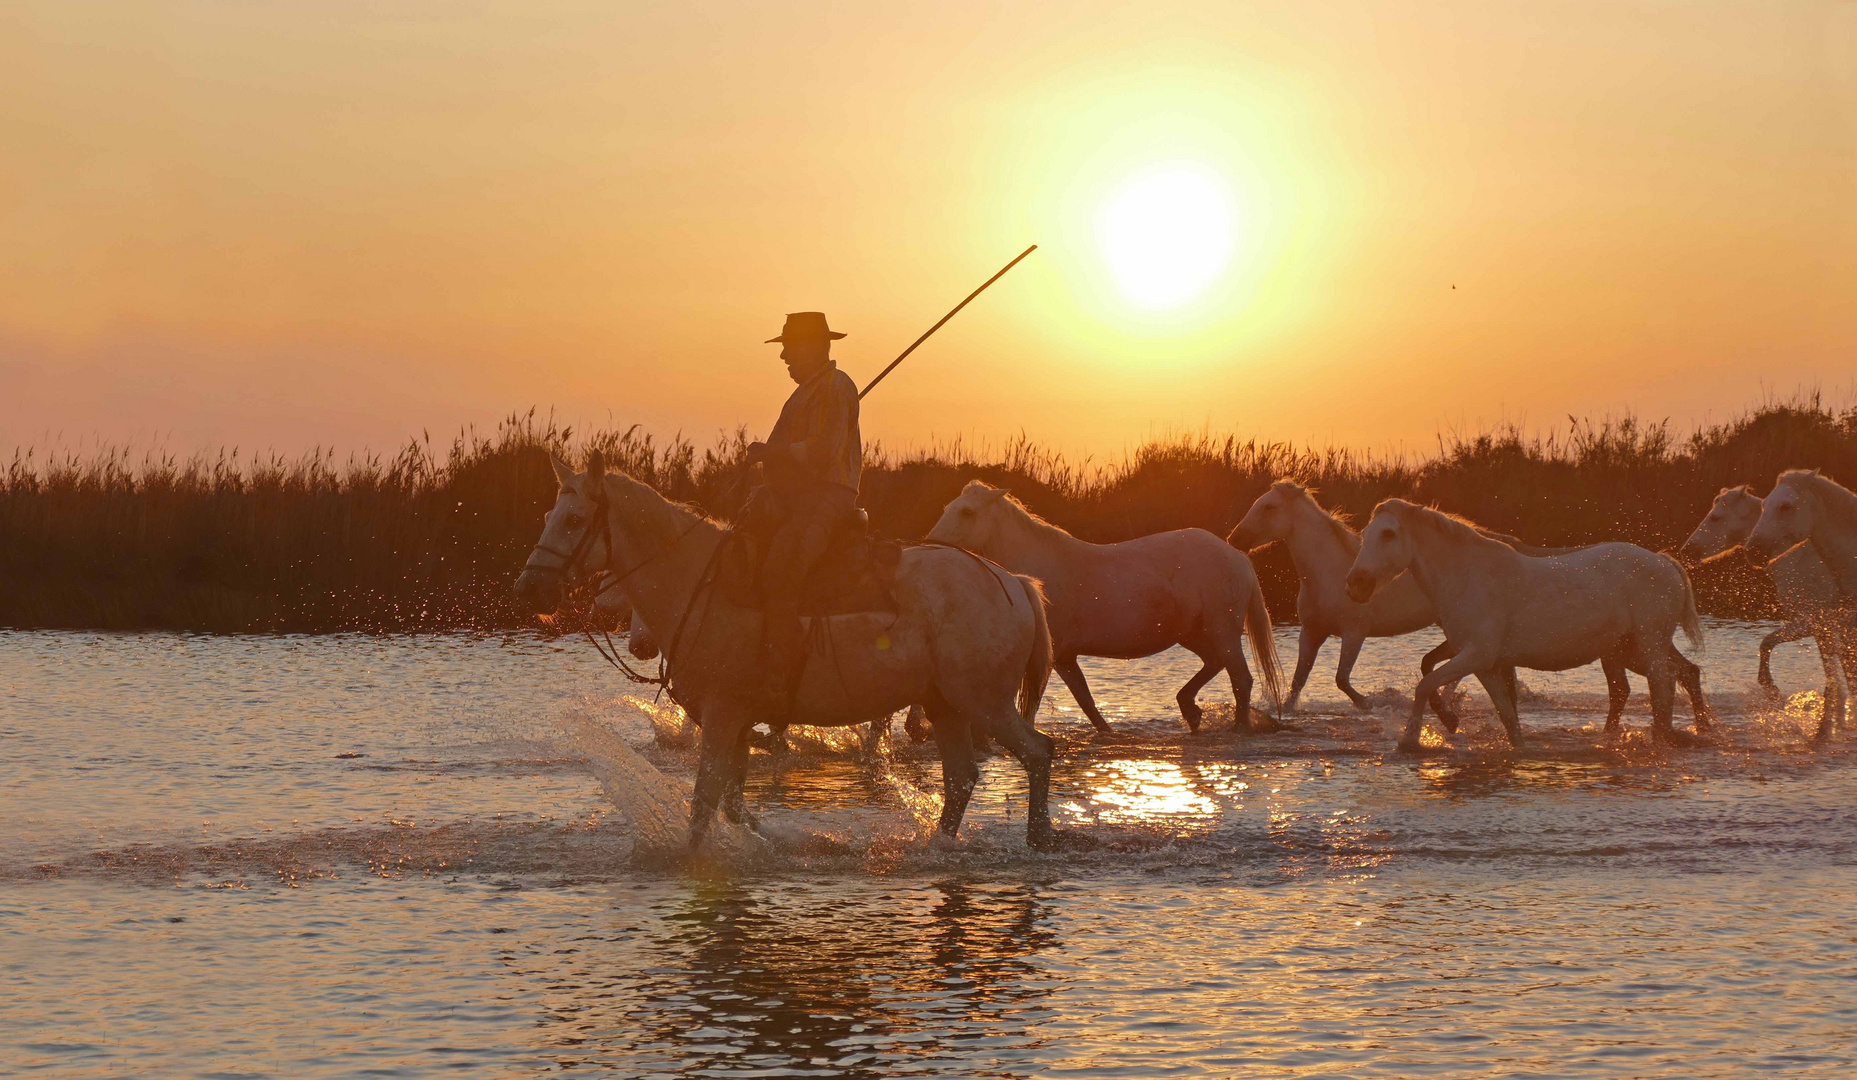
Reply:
x=872, y=385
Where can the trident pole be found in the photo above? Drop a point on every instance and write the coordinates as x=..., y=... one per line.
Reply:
x=957, y=310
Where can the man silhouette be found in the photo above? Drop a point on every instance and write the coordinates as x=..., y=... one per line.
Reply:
x=811, y=462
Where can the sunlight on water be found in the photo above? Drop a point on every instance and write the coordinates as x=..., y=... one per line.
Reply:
x=415, y=856
x=1126, y=792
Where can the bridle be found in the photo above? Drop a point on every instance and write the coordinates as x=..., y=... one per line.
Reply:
x=569, y=567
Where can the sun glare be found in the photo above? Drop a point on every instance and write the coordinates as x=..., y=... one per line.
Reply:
x=1167, y=234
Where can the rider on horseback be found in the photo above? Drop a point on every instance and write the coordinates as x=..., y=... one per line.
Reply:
x=811, y=464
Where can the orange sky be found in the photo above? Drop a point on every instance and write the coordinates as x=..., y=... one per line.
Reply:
x=277, y=225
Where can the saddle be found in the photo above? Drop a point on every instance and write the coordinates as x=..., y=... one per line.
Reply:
x=856, y=573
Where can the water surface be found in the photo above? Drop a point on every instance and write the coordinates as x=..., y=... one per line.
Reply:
x=421, y=856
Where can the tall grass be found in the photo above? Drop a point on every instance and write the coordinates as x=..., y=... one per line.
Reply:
x=430, y=538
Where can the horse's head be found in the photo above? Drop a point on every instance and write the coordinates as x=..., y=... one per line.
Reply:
x=1730, y=520
x=1269, y=517
x=1386, y=551
x=972, y=519
x=1786, y=516
x=576, y=536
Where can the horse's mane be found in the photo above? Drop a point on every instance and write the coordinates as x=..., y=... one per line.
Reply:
x=1337, y=520
x=1008, y=498
x=1833, y=495
x=1442, y=520
x=662, y=519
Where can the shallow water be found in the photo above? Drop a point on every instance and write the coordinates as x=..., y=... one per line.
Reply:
x=414, y=856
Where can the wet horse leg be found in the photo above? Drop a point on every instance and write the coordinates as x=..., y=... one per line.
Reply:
x=1690, y=675
x=959, y=774
x=1344, y=669
x=1458, y=666
x=1618, y=690
x=1189, y=707
x=1309, y=642
x=1447, y=714
x=734, y=801
x=722, y=730
x=1662, y=677
x=1499, y=683
x=1067, y=669
x=1791, y=630
x=1033, y=749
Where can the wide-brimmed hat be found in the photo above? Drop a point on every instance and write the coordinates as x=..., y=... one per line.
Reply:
x=805, y=326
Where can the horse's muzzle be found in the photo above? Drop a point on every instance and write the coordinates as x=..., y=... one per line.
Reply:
x=1360, y=586
x=539, y=589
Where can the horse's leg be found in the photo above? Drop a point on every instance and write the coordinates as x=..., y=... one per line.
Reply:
x=722, y=729
x=872, y=743
x=1618, y=690
x=1309, y=642
x=1447, y=714
x=917, y=725
x=959, y=774
x=1661, y=674
x=734, y=802
x=1791, y=630
x=1239, y=673
x=1499, y=683
x=1350, y=651
x=1033, y=749
x=1829, y=715
x=1189, y=707
x=1690, y=675
x=1831, y=654
x=1464, y=663
x=1066, y=667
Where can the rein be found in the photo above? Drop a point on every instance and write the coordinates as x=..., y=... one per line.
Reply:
x=570, y=562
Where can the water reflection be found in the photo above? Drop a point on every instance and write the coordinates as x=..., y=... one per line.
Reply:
x=777, y=979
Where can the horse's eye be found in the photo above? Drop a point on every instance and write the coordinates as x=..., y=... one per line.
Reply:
x=1386, y=534
x=967, y=511
x=1786, y=509
x=1715, y=517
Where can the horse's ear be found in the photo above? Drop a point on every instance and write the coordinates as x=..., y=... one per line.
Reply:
x=564, y=473
x=998, y=494
x=596, y=467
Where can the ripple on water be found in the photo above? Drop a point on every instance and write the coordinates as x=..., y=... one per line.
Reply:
x=422, y=855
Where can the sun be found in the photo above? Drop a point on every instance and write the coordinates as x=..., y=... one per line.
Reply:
x=1167, y=234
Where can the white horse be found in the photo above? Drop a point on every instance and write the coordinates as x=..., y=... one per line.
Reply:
x=1807, y=508
x=1502, y=609
x=1807, y=592
x=1322, y=547
x=1130, y=599
x=613, y=608
x=966, y=638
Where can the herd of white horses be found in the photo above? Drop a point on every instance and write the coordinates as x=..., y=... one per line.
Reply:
x=972, y=641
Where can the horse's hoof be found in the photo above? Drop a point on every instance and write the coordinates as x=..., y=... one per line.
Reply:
x=942, y=840
x=1673, y=737
x=1411, y=746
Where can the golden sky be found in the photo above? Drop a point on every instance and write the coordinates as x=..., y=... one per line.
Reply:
x=277, y=225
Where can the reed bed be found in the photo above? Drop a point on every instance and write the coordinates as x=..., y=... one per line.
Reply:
x=430, y=539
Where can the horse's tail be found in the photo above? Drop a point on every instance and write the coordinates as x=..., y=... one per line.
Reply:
x=1038, y=667
x=1692, y=622
x=1264, y=645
